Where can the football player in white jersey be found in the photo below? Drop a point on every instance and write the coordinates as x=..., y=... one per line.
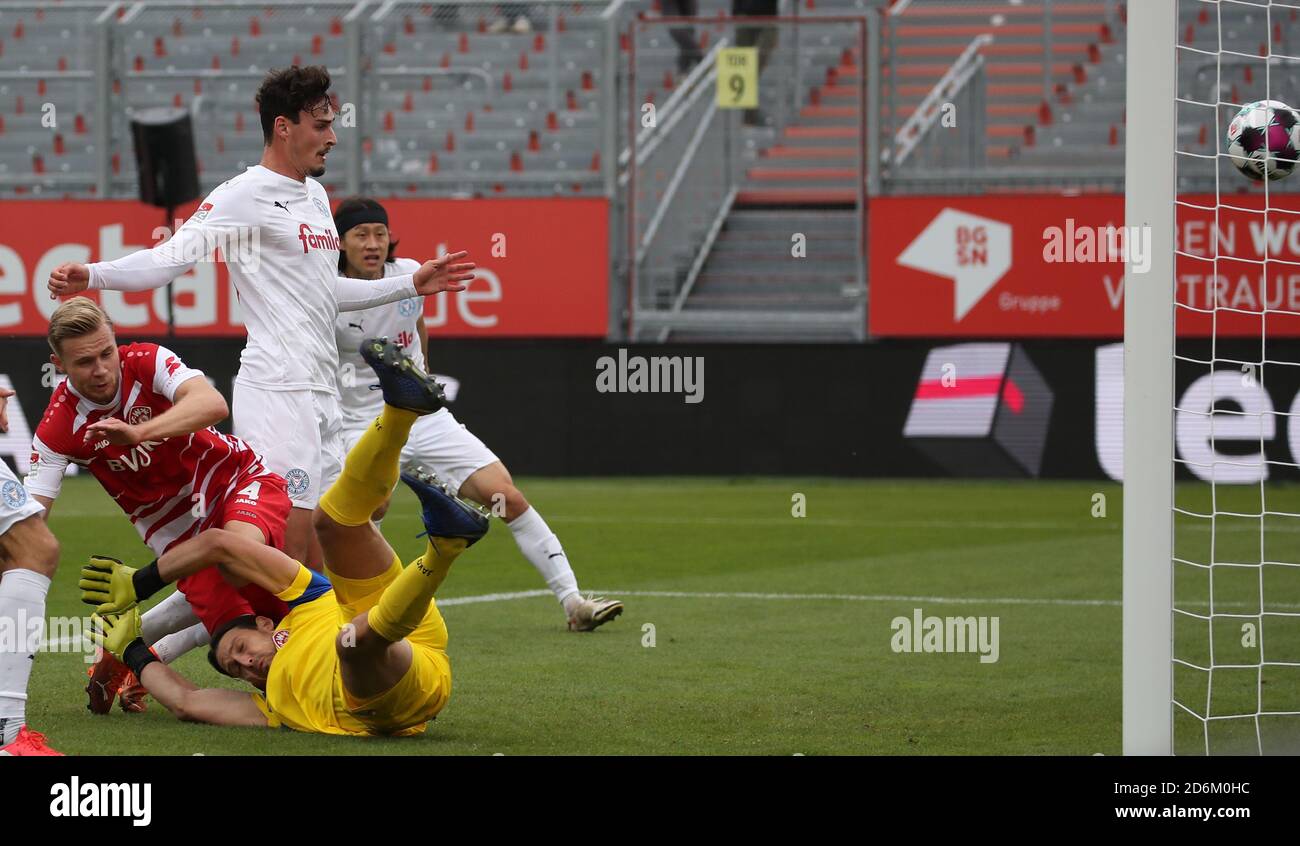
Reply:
x=437, y=442
x=29, y=555
x=274, y=227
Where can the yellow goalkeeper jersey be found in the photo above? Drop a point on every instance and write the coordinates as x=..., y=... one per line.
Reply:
x=304, y=687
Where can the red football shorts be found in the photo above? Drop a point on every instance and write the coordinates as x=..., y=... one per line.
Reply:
x=216, y=601
x=263, y=502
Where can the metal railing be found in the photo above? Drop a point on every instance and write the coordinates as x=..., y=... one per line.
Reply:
x=690, y=162
x=958, y=91
x=675, y=219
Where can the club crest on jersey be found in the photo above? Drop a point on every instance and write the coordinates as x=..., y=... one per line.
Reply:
x=13, y=494
x=406, y=308
x=296, y=481
x=202, y=212
x=139, y=414
x=320, y=207
x=280, y=637
x=312, y=241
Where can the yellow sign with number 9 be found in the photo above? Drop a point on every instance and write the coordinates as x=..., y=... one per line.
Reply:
x=738, y=78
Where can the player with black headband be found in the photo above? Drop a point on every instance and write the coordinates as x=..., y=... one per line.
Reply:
x=368, y=251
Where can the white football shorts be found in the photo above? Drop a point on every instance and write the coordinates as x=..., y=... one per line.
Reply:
x=16, y=504
x=297, y=433
x=440, y=444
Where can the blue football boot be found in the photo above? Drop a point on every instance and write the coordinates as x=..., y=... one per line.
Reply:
x=445, y=514
x=404, y=384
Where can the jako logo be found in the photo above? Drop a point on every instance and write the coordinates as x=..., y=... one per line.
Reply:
x=102, y=800
x=658, y=374
x=317, y=242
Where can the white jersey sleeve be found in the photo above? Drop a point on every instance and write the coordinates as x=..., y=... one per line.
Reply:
x=396, y=320
x=358, y=294
x=170, y=373
x=225, y=218
x=45, y=478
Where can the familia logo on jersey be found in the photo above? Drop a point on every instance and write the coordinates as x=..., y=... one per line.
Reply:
x=312, y=241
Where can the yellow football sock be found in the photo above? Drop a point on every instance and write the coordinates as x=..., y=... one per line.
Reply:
x=371, y=469
x=406, y=601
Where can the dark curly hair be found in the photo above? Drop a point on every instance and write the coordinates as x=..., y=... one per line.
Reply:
x=290, y=91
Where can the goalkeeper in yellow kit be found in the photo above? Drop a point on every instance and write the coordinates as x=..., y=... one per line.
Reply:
x=363, y=652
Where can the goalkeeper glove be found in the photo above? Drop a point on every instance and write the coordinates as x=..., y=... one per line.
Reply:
x=115, y=632
x=113, y=587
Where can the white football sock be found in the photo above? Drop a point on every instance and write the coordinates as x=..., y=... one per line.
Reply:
x=172, y=614
x=541, y=547
x=22, y=599
x=176, y=644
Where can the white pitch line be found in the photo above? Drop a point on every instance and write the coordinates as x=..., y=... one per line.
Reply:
x=783, y=521
x=474, y=599
x=492, y=597
x=442, y=603
x=861, y=597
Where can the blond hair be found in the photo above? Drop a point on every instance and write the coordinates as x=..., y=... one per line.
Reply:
x=74, y=318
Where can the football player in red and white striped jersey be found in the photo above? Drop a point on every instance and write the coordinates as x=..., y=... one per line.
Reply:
x=140, y=421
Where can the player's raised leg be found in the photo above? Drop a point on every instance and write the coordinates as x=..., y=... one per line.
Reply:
x=376, y=654
x=352, y=545
x=29, y=555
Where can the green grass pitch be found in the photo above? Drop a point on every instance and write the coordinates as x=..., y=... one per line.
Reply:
x=771, y=632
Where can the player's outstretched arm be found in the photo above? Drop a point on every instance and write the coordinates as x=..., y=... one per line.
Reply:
x=152, y=268
x=143, y=270
x=445, y=273
x=241, y=557
x=198, y=406
x=113, y=587
x=120, y=635
x=215, y=705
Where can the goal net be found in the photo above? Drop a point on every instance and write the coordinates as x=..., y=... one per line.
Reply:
x=1212, y=369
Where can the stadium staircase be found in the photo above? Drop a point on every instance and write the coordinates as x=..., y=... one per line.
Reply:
x=803, y=179
x=798, y=177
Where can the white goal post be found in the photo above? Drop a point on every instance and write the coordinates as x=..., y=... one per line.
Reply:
x=1149, y=168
